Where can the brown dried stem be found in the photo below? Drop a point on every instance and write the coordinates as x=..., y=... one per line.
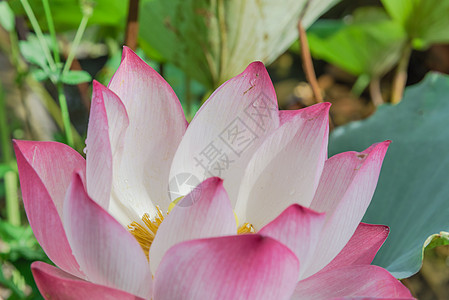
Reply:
x=132, y=25
x=307, y=63
x=400, y=78
x=375, y=91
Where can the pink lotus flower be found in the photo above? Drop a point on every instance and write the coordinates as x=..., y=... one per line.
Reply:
x=97, y=218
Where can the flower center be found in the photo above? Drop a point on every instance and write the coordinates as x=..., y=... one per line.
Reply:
x=246, y=228
x=144, y=234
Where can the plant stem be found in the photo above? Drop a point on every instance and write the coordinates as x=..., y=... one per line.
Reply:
x=360, y=85
x=223, y=40
x=162, y=69
x=38, y=31
x=65, y=114
x=51, y=28
x=400, y=78
x=375, y=91
x=308, y=64
x=132, y=25
x=21, y=69
x=76, y=42
x=5, y=138
x=61, y=96
x=15, y=60
x=12, y=201
x=52, y=108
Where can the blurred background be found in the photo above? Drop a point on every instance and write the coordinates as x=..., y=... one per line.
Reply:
x=360, y=55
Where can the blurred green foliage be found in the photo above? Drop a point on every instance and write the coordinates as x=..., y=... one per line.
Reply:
x=18, y=249
x=6, y=16
x=372, y=40
x=425, y=21
x=68, y=13
x=369, y=43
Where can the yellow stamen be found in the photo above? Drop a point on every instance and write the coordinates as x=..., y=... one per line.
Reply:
x=236, y=219
x=145, y=234
x=246, y=228
x=173, y=204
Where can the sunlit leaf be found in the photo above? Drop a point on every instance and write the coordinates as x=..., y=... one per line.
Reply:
x=369, y=44
x=413, y=191
x=426, y=21
x=32, y=51
x=213, y=41
x=435, y=240
x=76, y=77
x=39, y=74
x=67, y=14
x=6, y=16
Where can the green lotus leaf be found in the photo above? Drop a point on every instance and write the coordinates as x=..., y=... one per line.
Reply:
x=412, y=195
